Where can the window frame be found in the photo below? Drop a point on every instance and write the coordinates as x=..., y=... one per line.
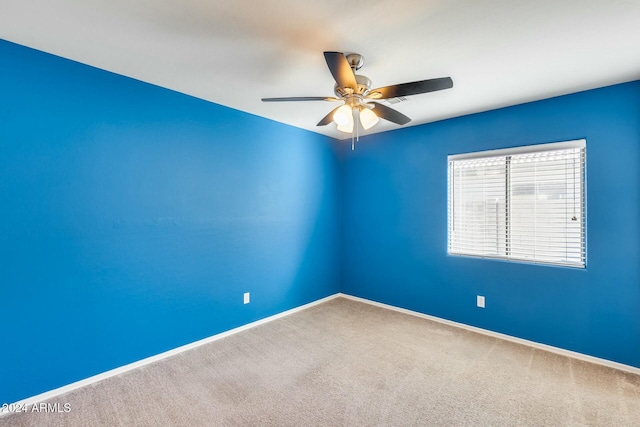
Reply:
x=506, y=154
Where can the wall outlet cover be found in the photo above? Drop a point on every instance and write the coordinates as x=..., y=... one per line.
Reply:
x=480, y=301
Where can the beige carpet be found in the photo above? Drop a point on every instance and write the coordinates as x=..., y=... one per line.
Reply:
x=344, y=363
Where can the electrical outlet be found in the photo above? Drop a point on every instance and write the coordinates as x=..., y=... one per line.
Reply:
x=480, y=301
x=247, y=297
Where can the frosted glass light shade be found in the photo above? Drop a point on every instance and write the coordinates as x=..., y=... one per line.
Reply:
x=348, y=128
x=368, y=118
x=343, y=116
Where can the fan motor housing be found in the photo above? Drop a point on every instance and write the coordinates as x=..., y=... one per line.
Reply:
x=364, y=84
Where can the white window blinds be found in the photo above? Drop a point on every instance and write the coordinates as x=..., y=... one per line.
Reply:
x=523, y=204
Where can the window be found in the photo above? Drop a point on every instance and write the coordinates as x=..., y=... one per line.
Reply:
x=525, y=203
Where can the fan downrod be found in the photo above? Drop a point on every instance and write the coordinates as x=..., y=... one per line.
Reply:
x=356, y=61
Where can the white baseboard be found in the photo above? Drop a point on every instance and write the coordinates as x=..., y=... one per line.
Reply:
x=549, y=348
x=117, y=371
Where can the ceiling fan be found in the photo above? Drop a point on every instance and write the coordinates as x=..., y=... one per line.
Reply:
x=359, y=100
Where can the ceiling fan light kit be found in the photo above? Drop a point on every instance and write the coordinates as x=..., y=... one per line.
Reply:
x=368, y=118
x=360, y=107
x=343, y=115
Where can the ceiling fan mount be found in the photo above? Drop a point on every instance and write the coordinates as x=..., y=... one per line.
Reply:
x=355, y=60
x=354, y=91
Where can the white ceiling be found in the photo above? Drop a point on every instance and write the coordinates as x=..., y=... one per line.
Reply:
x=498, y=52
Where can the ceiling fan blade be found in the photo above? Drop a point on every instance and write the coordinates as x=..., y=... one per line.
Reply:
x=413, y=88
x=328, y=118
x=300, y=98
x=390, y=114
x=341, y=70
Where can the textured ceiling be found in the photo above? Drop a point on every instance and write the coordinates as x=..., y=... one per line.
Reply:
x=498, y=52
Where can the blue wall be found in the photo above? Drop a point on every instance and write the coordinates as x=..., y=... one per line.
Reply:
x=133, y=218
x=394, y=226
